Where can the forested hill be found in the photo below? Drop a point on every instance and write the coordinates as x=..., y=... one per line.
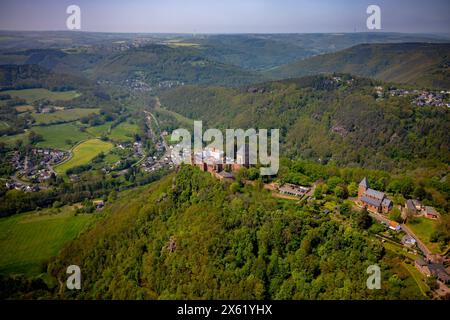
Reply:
x=154, y=65
x=190, y=236
x=322, y=119
x=31, y=76
x=157, y=63
x=417, y=64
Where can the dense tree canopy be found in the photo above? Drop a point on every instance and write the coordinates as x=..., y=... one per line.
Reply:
x=189, y=237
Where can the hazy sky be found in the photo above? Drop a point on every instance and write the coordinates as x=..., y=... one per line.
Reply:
x=227, y=16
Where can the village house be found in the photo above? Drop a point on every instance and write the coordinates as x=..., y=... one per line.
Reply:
x=435, y=258
x=433, y=269
x=439, y=272
x=410, y=208
x=373, y=200
x=414, y=208
x=408, y=241
x=417, y=204
x=430, y=213
x=98, y=204
x=393, y=225
x=224, y=176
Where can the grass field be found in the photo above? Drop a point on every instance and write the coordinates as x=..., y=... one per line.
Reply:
x=98, y=131
x=56, y=136
x=123, y=132
x=423, y=228
x=400, y=250
x=84, y=153
x=30, y=239
x=10, y=140
x=31, y=95
x=111, y=158
x=63, y=115
x=418, y=277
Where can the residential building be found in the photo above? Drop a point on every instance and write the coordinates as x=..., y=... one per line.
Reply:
x=393, y=225
x=98, y=204
x=225, y=176
x=410, y=208
x=431, y=213
x=417, y=204
x=439, y=272
x=408, y=241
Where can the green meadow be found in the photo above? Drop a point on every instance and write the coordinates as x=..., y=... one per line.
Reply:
x=64, y=135
x=84, y=153
x=58, y=136
x=111, y=158
x=101, y=130
x=28, y=240
x=31, y=95
x=11, y=140
x=123, y=132
x=63, y=115
x=423, y=228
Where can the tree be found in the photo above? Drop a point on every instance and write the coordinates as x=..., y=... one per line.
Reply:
x=396, y=215
x=346, y=208
x=318, y=192
x=259, y=184
x=253, y=173
x=34, y=137
x=241, y=175
x=406, y=187
x=234, y=187
x=341, y=192
x=432, y=283
x=352, y=189
x=112, y=196
x=363, y=219
x=333, y=182
x=57, y=204
x=420, y=193
x=18, y=144
x=394, y=186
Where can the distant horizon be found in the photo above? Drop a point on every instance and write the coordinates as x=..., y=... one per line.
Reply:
x=229, y=33
x=227, y=17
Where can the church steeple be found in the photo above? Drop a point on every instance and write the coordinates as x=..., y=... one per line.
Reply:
x=363, y=186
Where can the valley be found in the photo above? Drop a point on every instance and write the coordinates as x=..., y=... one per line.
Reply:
x=87, y=174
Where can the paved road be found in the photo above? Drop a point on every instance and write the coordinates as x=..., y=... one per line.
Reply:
x=167, y=151
x=407, y=230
